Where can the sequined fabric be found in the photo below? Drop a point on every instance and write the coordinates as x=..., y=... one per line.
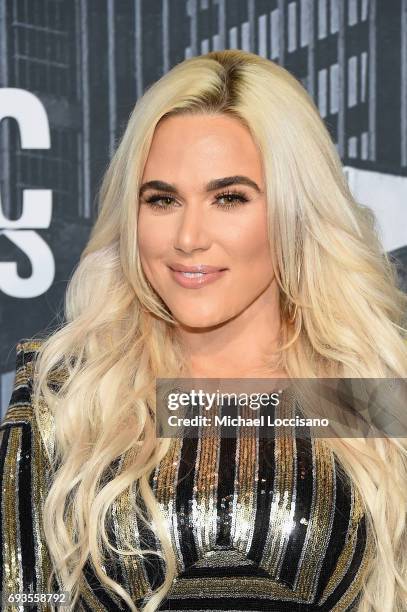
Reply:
x=256, y=524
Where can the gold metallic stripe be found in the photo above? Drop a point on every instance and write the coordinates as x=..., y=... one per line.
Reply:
x=29, y=345
x=204, y=498
x=362, y=571
x=282, y=506
x=20, y=377
x=24, y=374
x=245, y=485
x=45, y=417
x=320, y=522
x=38, y=494
x=347, y=552
x=117, y=527
x=165, y=489
x=18, y=413
x=231, y=586
x=12, y=572
x=46, y=427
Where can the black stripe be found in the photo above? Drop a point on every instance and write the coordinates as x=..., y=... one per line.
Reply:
x=153, y=564
x=352, y=570
x=28, y=356
x=82, y=602
x=21, y=394
x=226, y=479
x=304, y=484
x=339, y=528
x=184, y=493
x=263, y=505
x=19, y=359
x=100, y=591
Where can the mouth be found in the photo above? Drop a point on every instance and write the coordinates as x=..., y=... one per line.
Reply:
x=192, y=274
x=194, y=277
x=198, y=268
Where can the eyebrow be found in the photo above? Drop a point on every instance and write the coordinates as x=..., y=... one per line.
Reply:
x=211, y=186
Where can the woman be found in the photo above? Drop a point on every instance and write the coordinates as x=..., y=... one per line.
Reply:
x=225, y=163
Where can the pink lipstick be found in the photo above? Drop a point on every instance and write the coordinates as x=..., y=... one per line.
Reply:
x=194, y=277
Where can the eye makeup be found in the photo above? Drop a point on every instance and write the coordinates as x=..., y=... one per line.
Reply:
x=233, y=199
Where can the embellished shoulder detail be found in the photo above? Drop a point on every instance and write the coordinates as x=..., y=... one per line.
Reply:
x=25, y=475
x=20, y=408
x=24, y=470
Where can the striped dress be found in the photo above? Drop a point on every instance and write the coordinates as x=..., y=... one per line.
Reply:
x=256, y=523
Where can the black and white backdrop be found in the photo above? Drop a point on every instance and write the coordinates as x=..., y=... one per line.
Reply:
x=72, y=70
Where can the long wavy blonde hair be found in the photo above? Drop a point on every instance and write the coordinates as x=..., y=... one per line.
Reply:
x=341, y=310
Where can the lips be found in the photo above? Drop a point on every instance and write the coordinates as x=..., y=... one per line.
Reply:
x=195, y=277
x=203, y=268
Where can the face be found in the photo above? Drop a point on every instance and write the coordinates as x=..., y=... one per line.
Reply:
x=203, y=203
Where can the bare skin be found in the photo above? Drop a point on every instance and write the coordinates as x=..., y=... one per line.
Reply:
x=229, y=327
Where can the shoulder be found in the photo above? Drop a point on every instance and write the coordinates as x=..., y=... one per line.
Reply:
x=19, y=428
x=25, y=474
x=20, y=410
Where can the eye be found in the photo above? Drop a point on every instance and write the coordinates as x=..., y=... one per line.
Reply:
x=233, y=198
x=160, y=201
x=165, y=201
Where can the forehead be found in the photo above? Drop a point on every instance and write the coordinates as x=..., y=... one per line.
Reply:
x=204, y=146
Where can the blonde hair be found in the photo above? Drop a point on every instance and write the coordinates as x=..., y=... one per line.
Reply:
x=342, y=315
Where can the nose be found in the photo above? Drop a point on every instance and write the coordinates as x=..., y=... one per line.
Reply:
x=192, y=232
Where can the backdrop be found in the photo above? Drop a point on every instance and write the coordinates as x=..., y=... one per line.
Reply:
x=72, y=70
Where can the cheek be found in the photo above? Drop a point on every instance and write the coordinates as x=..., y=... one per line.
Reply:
x=249, y=245
x=150, y=240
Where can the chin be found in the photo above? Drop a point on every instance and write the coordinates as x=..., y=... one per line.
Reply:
x=200, y=321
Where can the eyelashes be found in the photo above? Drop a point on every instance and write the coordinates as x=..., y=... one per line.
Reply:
x=233, y=199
